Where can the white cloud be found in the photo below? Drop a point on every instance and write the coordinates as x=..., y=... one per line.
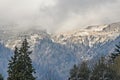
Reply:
x=58, y=15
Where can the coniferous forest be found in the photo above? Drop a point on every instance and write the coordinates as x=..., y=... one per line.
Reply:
x=104, y=69
x=20, y=66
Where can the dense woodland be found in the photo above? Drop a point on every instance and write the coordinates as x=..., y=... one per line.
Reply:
x=20, y=66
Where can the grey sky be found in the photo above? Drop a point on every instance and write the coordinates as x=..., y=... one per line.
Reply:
x=58, y=15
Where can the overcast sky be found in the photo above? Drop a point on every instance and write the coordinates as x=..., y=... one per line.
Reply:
x=58, y=15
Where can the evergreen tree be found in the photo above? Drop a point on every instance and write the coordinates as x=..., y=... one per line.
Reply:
x=84, y=72
x=12, y=71
x=116, y=59
x=116, y=65
x=103, y=71
x=1, y=77
x=74, y=73
x=20, y=67
x=81, y=72
x=116, y=52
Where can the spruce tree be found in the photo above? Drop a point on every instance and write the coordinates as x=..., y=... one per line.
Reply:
x=116, y=52
x=74, y=73
x=116, y=66
x=115, y=56
x=12, y=71
x=80, y=72
x=1, y=77
x=21, y=67
x=84, y=72
x=103, y=71
x=25, y=63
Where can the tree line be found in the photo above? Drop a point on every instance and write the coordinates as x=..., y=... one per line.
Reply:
x=102, y=70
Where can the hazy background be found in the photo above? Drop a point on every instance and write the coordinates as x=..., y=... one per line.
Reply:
x=58, y=15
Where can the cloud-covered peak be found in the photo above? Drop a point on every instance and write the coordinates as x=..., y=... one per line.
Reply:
x=58, y=15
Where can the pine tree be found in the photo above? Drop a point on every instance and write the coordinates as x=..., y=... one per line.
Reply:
x=12, y=65
x=115, y=56
x=84, y=72
x=81, y=72
x=103, y=71
x=74, y=73
x=116, y=52
x=20, y=67
x=116, y=66
x=1, y=77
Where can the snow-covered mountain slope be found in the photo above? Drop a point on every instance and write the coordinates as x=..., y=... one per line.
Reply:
x=55, y=54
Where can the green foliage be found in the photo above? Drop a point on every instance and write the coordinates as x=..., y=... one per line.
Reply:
x=1, y=77
x=83, y=71
x=74, y=73
x=116, y=65
x=103, y=71
x=12, y=65
x=20, y=65
x=80, y=72
x=116, y=59
x=100, y=71
x=116, y=53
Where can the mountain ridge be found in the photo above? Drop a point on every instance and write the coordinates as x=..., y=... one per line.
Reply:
x=55, y=54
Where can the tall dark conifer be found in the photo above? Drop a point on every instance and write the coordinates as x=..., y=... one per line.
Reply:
x=80, y=72
x=74, y=73
x=103, y=71
x=116, y=52
x=12, y=70
x=116, y=59
x=23, y=64
x=84, y=71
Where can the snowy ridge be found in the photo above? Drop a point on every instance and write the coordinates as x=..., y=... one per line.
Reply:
x=93, y=34
x=96, y=28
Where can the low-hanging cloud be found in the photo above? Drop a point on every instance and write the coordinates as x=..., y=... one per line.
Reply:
x=58, y=15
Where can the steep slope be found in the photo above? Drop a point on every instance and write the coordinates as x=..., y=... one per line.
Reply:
x=54, y=55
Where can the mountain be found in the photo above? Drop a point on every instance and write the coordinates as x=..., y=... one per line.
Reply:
x=55, y=54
